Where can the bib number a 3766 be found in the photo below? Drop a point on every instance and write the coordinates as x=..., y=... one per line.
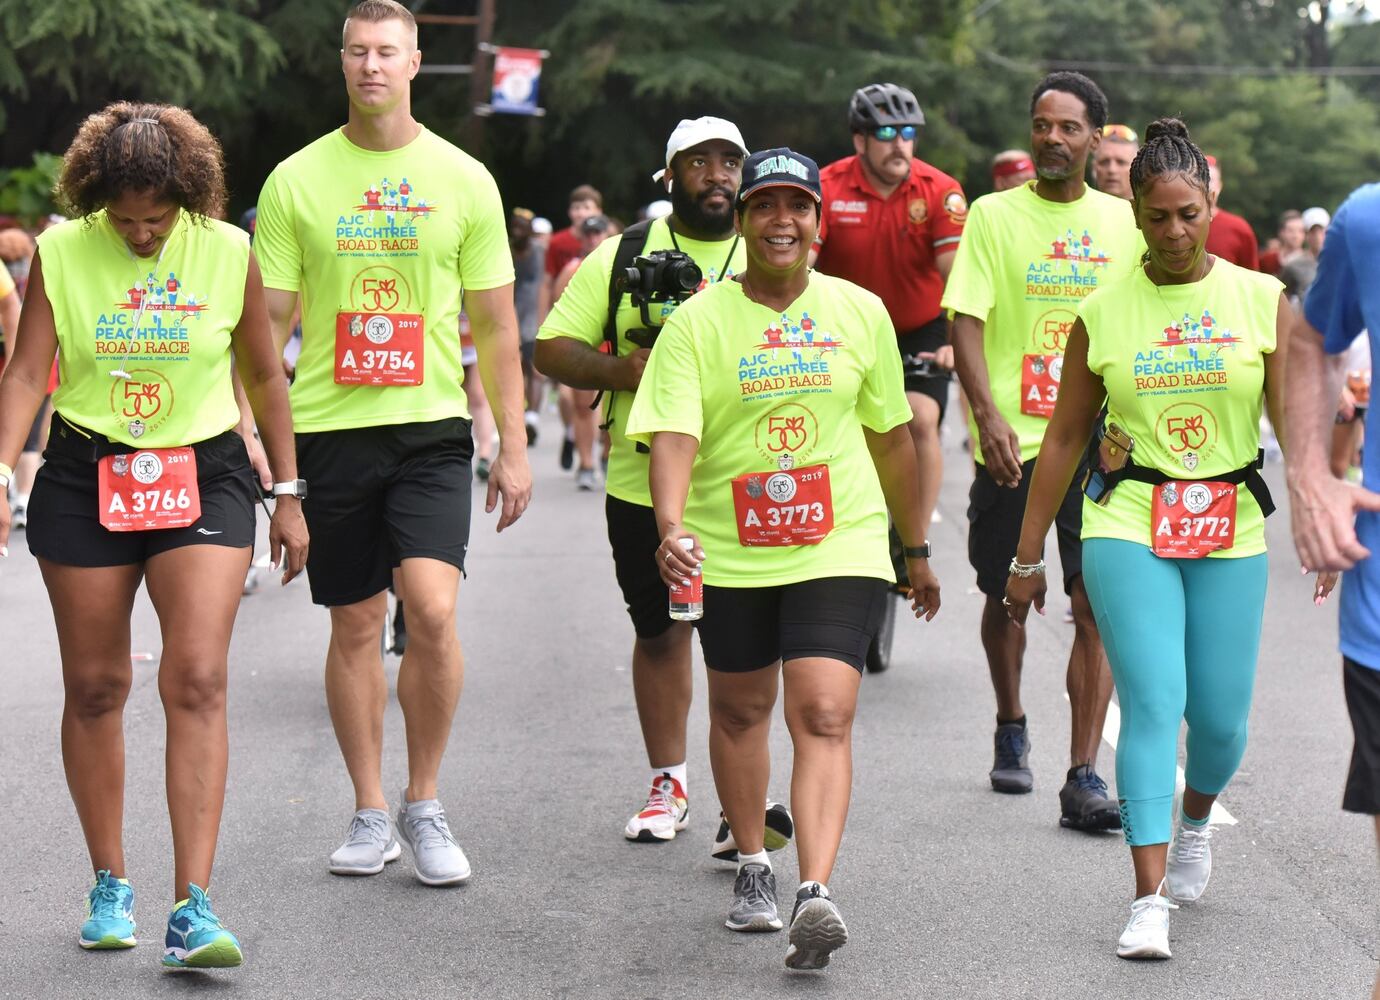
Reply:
x=148, y=490
x=378, y=348
x=1190, y=520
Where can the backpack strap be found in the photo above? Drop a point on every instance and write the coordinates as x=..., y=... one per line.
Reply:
x=630, y=245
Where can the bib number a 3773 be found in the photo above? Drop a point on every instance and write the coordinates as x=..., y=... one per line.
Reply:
x=378, y=348
x=1040, y=374
x=1189, y=520
x=148, y=490
x=790, y=507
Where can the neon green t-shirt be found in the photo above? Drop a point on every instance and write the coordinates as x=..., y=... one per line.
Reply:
x=583, y=308
x=401, y=234
x=1022, y=267
x=1184, y=367
x=765, y=392
x=165, y=321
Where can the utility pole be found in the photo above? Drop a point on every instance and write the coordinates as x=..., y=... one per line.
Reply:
x=479, y=68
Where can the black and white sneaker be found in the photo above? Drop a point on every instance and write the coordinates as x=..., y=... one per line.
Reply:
x=780, y=828
x=754, y=900
x=817, y=929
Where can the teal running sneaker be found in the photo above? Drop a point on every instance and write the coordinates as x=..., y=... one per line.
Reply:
x=109, y=914
x=196, y=940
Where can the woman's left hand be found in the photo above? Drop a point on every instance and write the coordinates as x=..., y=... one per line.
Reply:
x=924, y=588
x=287, y=537
x=1323, y=585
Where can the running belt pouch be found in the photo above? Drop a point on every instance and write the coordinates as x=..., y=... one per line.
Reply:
x=1248, y=476
x=630, y=244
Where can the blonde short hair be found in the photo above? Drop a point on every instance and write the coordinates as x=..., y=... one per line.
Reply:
x=375, y=11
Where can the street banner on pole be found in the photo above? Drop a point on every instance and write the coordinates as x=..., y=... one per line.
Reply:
x=517, y=72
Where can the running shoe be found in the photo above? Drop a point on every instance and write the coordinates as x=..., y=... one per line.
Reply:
x=399, y=645
x=1011, y=772
x=368, y=846
x=1147, y=932
x=19, y=517
x=817, y=929
x=754, y=900
x=531, y=421
x=666, y=813
x=584, y=480
x=109, y=914
x=436, y=856
x=779, y=830
x=568, y=454
x=1190, y=862
x=481, y=469
x=196, y=939
x=1084, y=803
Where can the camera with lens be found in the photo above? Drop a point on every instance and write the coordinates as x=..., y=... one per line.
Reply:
x=655, y=278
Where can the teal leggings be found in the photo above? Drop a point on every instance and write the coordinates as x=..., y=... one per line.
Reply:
x=1182, y=636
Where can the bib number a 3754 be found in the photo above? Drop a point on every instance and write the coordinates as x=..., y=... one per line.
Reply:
x=790, y=507
x=148, y=490
x=1189, y=520
x=1040, y=375
x=378, y=348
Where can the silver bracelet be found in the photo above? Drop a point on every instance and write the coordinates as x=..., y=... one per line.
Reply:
x=1023, y=571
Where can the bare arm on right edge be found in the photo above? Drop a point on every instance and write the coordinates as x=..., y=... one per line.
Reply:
x=1001, y=448
x=576, y=364
x=282, y=308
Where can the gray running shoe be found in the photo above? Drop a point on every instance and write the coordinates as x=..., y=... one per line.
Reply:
x=1190, y=862
x=436, y=856
x=1011, y=767
x=817, y=930
x=754, y=900
x=368, y=846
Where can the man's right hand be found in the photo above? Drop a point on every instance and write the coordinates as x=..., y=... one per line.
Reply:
x=1001, y=449
x=632, y=367
x=1323, y=515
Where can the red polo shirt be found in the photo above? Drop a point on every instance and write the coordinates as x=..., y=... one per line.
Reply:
x=561, y=250
x=888, y=245
x=1232, y=238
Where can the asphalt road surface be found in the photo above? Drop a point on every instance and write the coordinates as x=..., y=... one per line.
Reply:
x=949, y=890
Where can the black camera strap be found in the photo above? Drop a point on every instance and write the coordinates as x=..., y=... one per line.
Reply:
x=732, y=249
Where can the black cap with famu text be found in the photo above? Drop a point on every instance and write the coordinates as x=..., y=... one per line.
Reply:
x=779, y=167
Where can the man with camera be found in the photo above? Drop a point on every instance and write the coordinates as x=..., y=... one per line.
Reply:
x=599, y=336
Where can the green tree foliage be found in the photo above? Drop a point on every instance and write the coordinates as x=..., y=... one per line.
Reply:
x=26, y=193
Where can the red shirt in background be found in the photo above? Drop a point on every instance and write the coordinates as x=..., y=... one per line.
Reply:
x=1232, y=238
x=563, y=248
x=888, y=246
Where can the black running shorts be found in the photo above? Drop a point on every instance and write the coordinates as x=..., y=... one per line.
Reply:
x=64, y=522
x=1362, y=687
x=927, y=339
x=994, y=528
x=379, y=495
x=634, y=538
x=748, y=628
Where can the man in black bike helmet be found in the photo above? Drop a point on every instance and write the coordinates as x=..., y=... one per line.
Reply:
x=891, y=224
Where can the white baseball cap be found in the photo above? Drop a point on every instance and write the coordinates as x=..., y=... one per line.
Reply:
x=1315, y=217
x=541, y=226
x=693, y=131
x=658, y=209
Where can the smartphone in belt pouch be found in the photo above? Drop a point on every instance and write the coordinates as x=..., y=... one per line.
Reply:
x=1113, y=449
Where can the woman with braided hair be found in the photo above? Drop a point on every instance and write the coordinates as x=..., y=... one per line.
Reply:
x=1183, y=353
x=146, y=480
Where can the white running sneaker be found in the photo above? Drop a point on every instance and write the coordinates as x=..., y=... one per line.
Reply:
x=666, y=813
x=1147, y=932
x=1190, y=862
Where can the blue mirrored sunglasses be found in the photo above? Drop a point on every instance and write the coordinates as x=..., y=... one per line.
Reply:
x=888, y=132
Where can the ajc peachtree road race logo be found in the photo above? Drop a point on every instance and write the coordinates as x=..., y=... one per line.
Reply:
x=143, y=402
x=1186, y=356
x=384, y=223
x=786, y=433
x=806, y=368
x=162, y=307
x=1070, y=269
x=1188, y=431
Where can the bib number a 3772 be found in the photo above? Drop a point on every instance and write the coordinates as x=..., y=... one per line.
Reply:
x=378, y=348
x=148, y=490
x=1190, y=520
x=789, y=507
x=1040, y=374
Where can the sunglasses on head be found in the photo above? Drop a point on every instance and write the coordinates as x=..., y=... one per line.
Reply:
x=1121, y=133
x=888, y=132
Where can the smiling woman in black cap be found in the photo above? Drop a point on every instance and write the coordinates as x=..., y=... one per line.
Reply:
x=777, y=423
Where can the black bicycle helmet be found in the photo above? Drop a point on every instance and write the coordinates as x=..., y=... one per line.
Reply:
x=881, y=104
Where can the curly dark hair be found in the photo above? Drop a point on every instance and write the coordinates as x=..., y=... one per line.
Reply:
x=1168, y=150
x=143, y=147
x=1094, y=101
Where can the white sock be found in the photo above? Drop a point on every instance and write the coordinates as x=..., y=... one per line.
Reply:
x=676, y=771
x=760, y=858
x=823, y=889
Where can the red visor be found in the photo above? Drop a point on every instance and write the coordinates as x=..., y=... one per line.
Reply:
x=1010, y=167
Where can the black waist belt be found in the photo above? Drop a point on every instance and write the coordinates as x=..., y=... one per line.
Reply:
x=1248, y=475
x=85, y=445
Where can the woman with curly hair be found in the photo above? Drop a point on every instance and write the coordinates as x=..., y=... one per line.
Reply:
x=148, y=298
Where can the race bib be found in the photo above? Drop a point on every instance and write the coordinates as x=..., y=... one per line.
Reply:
x=378, y=348
x=791, y=507
x=149, y=490
x=1189, y=520
x=1040, y=384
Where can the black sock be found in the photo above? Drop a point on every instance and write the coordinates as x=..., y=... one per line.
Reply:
x=1011, y=722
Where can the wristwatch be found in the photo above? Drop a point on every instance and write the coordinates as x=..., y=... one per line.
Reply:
x=917, y=551
x=295, y=488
